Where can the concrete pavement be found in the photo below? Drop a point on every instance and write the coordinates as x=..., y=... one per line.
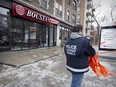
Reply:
x=20, y=58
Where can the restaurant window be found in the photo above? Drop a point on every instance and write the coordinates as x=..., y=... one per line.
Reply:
x=73, y=19
x=68, y=15
x=33, y=30
x=43, y=3
x=4, y=29
x=64, y=36
x=58, y=9
x=46, y=36
x=20, y=30
x=52, y=35
x=42, y=35
x=16, y=29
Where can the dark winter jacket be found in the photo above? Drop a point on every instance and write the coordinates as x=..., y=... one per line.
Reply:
x=77, y=50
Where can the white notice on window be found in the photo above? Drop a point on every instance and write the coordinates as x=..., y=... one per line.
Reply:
x=108, y=38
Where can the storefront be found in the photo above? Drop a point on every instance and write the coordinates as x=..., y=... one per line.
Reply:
x=65, y=31
x=24, y=28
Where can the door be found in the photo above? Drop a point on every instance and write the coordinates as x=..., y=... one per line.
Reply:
x=33, y=35
x=42, y=35
x=16, y=34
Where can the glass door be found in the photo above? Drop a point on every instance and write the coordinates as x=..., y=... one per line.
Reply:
x=16, y=34
x=33, y=30
x=25, y=35
x=42, y=35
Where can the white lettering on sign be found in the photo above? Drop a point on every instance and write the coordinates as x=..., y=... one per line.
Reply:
x=37, y=16
x=71, y=49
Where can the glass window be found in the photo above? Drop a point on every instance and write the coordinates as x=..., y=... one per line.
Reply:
x=74, y=4
x=60, y=35
x=73, y=19
x=16, y=34
x=44, y=3
x=68, y=15
x=4, y=29
x=58, y=9
x=4, y=35
x=42, y=35
x=78, y=9
x=55, y=35
x=78, y=17
x=65, y=34
x=46, y=36
x=33, y=30
x=25, y=35
x=51, y=36
x=21, y=34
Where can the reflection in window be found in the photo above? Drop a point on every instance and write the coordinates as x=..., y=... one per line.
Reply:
x=4, y=30
x=51, y=36
x=46, y=36
x=74, y=4
x=68, y=15
x=16, y=34
x=4, y=38
x=58, y=9
x=73, y=19
x=33, y=30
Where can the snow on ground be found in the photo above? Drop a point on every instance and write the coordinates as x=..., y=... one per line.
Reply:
x=38, y=74
x=50, y=73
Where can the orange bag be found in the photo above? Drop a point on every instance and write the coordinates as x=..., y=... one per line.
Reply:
x=98, y=69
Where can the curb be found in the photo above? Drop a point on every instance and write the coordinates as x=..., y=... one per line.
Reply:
x=107, y=57
x=18, y=66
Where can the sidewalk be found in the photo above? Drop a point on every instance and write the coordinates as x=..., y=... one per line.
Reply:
x=20, y=58
x=105, y=54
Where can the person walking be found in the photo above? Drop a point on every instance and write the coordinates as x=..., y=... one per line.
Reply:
x=77, y=49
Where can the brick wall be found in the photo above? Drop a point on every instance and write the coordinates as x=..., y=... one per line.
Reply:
x=72, y=10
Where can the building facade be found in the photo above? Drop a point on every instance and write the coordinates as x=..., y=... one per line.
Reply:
x=29, y=24
x=87, y=20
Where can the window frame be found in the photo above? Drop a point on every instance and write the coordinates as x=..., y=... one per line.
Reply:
x=68, y=15
x=45, y=2
x=73, y=19
x=59, y=9
x=74, y=4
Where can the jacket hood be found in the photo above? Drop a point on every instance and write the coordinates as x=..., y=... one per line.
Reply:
x=75, y=35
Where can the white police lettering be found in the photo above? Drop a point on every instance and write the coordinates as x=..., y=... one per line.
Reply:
x=71, y=49
x=37, y=16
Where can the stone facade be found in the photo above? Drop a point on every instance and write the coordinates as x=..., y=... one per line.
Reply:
x=51, y=8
